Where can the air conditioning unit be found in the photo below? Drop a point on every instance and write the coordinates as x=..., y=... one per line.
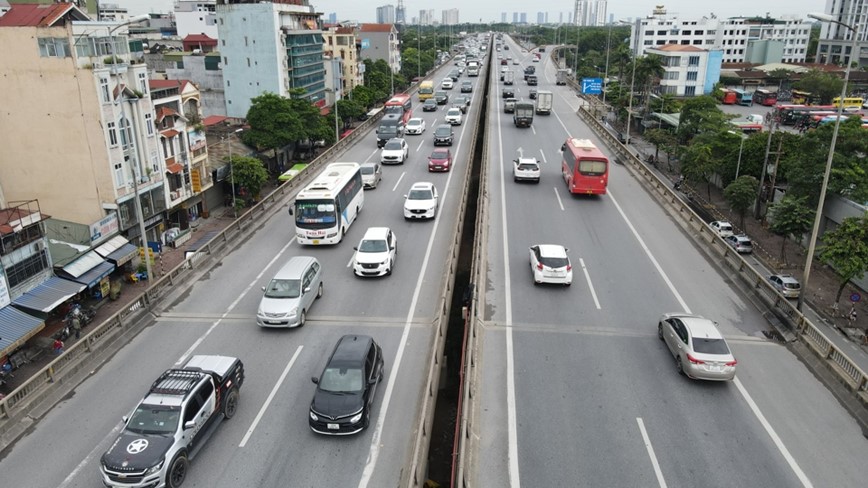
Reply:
x=38, y=246
x=174, y=195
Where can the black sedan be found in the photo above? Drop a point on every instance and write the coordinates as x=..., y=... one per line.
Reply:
x=430, y=105
x=347, y=386
x=441, y=97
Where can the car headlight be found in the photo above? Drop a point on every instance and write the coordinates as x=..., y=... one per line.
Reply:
x=293, y=312
x=156, y=468
x=355, y=418
x=313, y=416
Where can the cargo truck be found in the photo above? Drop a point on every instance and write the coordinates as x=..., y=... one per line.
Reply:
x=508, y=77
x=544, y=100
x=523, y=114
x=562, y=76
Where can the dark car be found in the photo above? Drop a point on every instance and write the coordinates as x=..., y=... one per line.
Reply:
x=346, y=388
x=507, y=93
x=443, y=135
x=454, y=74
x=461, y=102
x=430, y=105
x=531, y=80
x=441, y=97
x=532, y=94
x=466, y=86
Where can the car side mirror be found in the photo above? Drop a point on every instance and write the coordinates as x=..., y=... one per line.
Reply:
x=263, y=288
x=372, y=381
x=290, y=210
x=125, y=419
x=315, y=380
x=515, y=160
x=307, y=290
x=355, y=249
x=189, y=425
x=405, y=196
x=563, y=147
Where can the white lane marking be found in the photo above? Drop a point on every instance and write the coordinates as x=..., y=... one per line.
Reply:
x=512, y=429
x=747, y=398
x=91, y=455
x=558, y=196
x=419, y=148
x=590, y=285
x=774, y=435
x=650, y=448
x=543, y=154
x=374, y=452
x=350, y=262
x=399, y=180
x=232, y=305
x=368, y=159
x=533, y=129
x=270, y=397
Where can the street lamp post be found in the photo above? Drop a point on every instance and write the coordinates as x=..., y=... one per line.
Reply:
x=231, y=174
x=740, y=149
x=630, y=103
x=819, y=215
x=606, y=73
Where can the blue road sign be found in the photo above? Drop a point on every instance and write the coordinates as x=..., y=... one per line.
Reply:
x=592, y=86
x=855, y=297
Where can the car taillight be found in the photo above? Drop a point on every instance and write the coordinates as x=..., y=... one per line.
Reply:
x=539, y=266
x=569, y=267
x=732, y=363
x=694, y=360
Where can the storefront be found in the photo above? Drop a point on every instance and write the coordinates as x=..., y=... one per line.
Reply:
x=50, y=294
x=118, y=251
x=92, y=271
x=17, y=327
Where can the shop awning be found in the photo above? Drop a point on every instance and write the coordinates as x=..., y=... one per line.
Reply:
x=174, y=168
x=15, y=328
x=48, y=295
x=118, y=250
x=82, y=265
x=93, y=276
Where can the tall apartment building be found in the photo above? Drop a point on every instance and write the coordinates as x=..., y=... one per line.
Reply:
x=386, y=14
x=540, y=18
x=522, y=18
x=590, y=12
x=687, y=70
x=515, y=17
x=196, y=17
x=836, y=40
x=426, y=17
x=380, y=41
x=340, y=43
x=269, y=47
x=732, y=36
x=503, y=17
x=450, y=16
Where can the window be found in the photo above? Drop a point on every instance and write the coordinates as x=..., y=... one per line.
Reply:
x=689, y=91
x=692, y=75
x=112, y=134
x=126, y=134
x=54, y=47
x=149, y=123
x=693, y=61
x=119, y=175
x=26, y=268
x=143, y=83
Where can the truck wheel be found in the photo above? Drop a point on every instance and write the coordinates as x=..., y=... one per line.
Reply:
x=177, y=471
x=230, y=405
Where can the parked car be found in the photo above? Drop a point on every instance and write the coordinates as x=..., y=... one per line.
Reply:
x=372, y=173
x=376, y=252
x=453, y=116
x=722, y=228
x=525, y=169
x=422, y=201
x=550, y=264
x=440, y=160
x=699, y=349
x=347, y=386
x=786, y=284
x=741, y=243
x=415, y=126
x=395, y=151
x=443, y=135
x=430, y=105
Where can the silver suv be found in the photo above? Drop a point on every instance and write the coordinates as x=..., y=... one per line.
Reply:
x=788, y=286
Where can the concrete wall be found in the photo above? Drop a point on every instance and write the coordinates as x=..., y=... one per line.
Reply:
x=210, y=83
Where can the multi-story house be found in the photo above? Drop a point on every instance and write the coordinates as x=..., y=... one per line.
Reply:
x=196, y=17
x=688, y=70
x=380, y=41
x=340, y=42
x=836, y=40
x=96, y=149
x=732, y=36
x=270, y=46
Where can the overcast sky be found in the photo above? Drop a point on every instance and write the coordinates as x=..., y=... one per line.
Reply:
x=489, y=10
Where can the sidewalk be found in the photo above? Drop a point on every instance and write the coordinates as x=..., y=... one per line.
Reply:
x=40, y=346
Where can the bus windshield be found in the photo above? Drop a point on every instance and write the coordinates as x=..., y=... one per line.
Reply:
x=393, y=109
x=315, y=214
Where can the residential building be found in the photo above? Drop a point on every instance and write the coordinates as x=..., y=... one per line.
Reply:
x=199, y=43
x=333, y=18
x=94, y=100
x=450, y=16
x=732, y=36
x=205, y=69
x=515, y=17
x=503, y=17
x=110, y=12
x=688, y=70
x=269, y=47
x=426, y=17
x=380, y=41
x=340, y=43
x=836, y=41
x=523, y=18
x=196, y=17
x=386, y=14
x=540, y=18
x=590, y=12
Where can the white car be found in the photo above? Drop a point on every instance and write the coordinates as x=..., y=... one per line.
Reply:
x=525, y=169
x=453, y=116
x=447, y=84
x=700, y=351
x=422, y=201
x=550, y=264
x=395, y=151
x=372, y=173
x=722, y=228
x=414, y=126
x=376, y=252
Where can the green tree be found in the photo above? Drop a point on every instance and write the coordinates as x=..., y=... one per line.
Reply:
x=741, y=194
x=790, y=218
x=824, y=85
x=349, y=110
x=364, y=96
x=699, y=165
x=273, y=123
x=662, y=139
x=700, y=114
x=248, y=174
x=648, y=70
x=846, y=249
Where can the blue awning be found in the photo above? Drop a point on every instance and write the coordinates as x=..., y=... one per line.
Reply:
x=97, y=273
x=48, y=295
x=15, y=328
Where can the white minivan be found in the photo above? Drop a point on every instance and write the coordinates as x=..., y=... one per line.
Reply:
x=291, y=293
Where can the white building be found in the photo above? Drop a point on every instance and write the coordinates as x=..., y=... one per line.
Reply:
x=386, y=14
x=687, y=70
x=836, y=40
x=110, y=12
x=450, y=16
x=731, y=36
x=590, y=12
x=196, y=17
x=426, y=17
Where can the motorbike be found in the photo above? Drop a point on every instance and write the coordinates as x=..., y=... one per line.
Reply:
x=85, y=315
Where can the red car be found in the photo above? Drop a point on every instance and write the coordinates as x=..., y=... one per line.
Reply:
x=440, y=160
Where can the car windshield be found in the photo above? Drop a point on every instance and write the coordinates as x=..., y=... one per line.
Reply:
x=554, y=262
x=393, y=145
x=414, y=122
x=367, y=170
x=439, y=155
x=394, y=109
x=453, y=111
x=341, y=380
x=373, y=245
x=153, y=419
x=710, y=346
x=420, y=195
x=443, y=131
x=440, y=94
x=283, y=289
x=387, y=130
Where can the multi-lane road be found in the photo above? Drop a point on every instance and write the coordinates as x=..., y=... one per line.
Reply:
x=268, y=443
x=576, y=389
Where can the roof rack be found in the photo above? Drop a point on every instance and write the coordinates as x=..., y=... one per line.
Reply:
x=176, y=382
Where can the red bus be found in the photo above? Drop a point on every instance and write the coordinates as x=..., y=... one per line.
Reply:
x=585, y=167
x=729, y=97
x=400, y=104
x=765, y=97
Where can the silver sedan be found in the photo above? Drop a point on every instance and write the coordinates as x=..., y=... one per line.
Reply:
x=699, y=349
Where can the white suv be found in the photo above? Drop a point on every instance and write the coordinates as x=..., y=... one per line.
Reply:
x=395, y=151
x=453, y=116
x=376, y=252
x=447, y=84
x=526, y=169
x=421, y=202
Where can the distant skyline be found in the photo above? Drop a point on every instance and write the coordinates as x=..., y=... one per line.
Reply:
x=489, y=10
